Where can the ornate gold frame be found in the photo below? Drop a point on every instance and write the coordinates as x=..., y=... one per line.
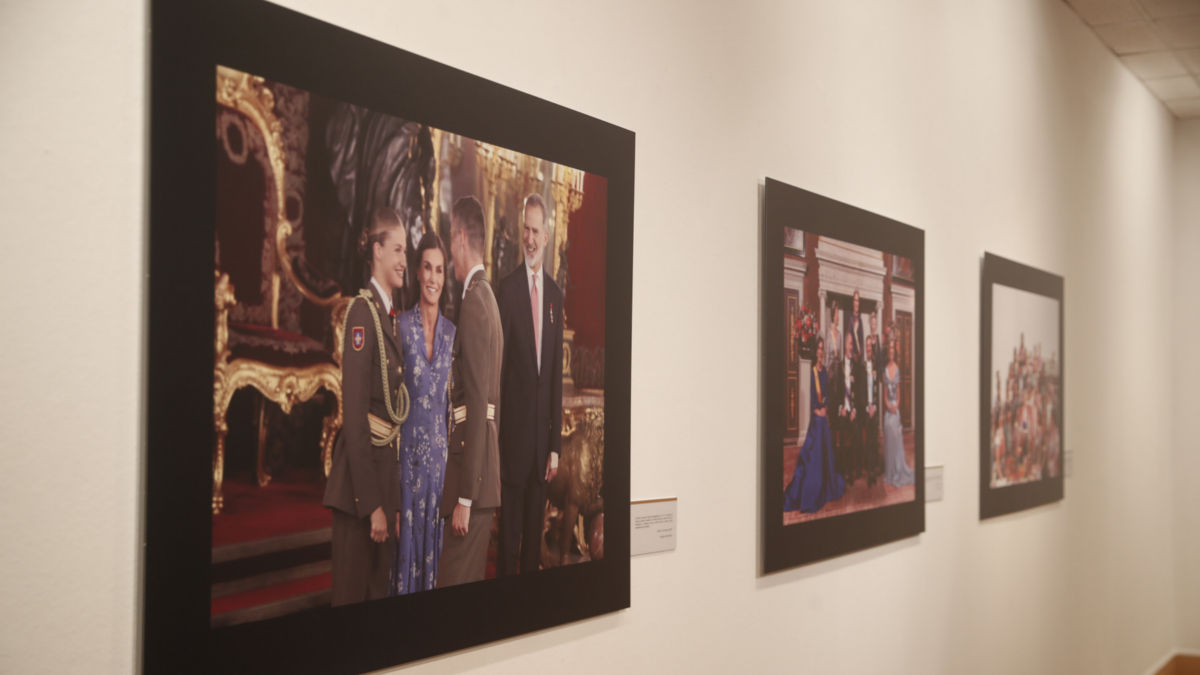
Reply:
x=504, y=174
x=286, y=386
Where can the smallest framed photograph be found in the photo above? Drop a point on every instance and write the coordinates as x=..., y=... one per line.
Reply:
x=1021, y=439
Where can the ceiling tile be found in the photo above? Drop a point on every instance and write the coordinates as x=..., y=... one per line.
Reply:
x=1185, y=107
x=1130, y=38
x=1154, y=64
x=1163, y=8
x=1097, y=12
x=1190, y=58
x=1172, y=88
x=1180, y=32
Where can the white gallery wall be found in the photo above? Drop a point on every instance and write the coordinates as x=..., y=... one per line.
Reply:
x=1186, y=368
x=994, y=125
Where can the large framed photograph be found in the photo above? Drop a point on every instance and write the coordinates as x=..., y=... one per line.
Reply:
x=1021, y=388
x=389, y=342
x=843, y=311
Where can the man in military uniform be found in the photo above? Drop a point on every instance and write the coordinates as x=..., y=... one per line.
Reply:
x=472, y=490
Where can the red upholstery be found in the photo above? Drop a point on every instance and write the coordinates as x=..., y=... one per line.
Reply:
x=274, y=346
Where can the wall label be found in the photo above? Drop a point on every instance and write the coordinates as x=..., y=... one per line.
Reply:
x=934, y=485
x=652, y=525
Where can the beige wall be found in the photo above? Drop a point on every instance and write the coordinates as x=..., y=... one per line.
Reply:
x=1186, y=368
x=72, y=177
x=994, y=125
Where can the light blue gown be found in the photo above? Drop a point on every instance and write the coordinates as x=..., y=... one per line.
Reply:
x=897, y=472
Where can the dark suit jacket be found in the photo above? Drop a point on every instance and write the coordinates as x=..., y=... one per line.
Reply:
x=856, y=329
x=532, y=400
x=858, y=392
x=473, y=460
x=837, y=393
x=363, y=476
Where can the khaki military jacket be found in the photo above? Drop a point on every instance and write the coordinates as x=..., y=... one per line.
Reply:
x=473, y=462
x=365, y=476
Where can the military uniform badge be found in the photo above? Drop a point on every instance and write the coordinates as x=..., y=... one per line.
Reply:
x=359, y=338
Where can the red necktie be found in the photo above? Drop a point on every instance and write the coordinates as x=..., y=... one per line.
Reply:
x=537, y=328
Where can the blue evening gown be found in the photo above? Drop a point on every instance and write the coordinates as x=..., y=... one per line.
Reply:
x=423, y=445
x=815, y=480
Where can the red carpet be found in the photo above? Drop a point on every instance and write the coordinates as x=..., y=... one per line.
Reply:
x=229, y=603
x=252, y=513
x=281, y=508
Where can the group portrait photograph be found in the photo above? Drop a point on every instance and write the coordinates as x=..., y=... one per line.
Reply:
x=848, y=434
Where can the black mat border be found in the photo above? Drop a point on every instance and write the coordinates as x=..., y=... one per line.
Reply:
x=788, y=546
x=999, y=501
x=187, y=41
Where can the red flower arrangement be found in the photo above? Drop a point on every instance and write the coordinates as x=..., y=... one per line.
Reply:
x=805, y=332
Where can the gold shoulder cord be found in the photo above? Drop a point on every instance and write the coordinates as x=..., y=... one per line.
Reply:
x=400, y=413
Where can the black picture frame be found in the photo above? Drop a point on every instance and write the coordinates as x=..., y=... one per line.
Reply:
x=188, y=40
x=784, y=546
x=998, y=272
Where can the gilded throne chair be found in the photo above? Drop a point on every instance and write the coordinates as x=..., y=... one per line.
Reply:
x=251, y=347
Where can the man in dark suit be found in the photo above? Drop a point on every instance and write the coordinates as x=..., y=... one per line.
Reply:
x=531, y=395
x=472, y=488
x=855, y=329
x=878, y=353
x=844, y=391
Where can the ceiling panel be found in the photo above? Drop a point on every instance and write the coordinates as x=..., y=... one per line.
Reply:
x=1191, y=59
x=1179, y=33
x=1130, y=38
x=1154, y=64
x=1096, y=12
x=1185, y=107
x=1160, y=9
x=1171, y=88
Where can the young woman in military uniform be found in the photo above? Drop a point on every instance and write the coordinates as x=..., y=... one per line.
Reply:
x=363, y=488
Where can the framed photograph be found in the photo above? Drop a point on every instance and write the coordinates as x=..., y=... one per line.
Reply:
x=383, y=294
x=843, y=294
x=1021, y=388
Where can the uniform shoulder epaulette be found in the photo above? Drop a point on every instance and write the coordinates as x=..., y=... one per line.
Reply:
x=399, y=412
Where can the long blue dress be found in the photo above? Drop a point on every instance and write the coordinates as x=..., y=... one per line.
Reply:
x=422, y=453
x=815, y=480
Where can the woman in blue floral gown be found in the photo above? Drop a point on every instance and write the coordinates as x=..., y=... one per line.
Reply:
x=427, y=338
x=815, y=480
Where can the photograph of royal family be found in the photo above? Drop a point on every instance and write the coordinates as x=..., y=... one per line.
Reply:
x=440, y=490
x=849, y=317
x=1025, y=420
x=411, y=356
